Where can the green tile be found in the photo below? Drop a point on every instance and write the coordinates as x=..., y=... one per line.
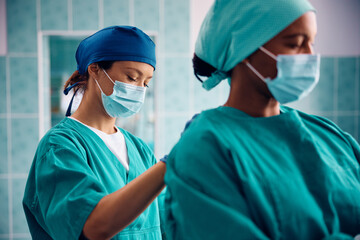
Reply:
x=21, y=26
x=346, y=83
x=3, y=100
x=85, y=14
x=24, y=85
x=177, y=27
x=176, y=84
x=347, y=124
x=146, y=14
x=116, y=12
x=62, y=54
x=170, y=132
x=204, y=99
x=322, y=97
x=4, y=207
x=19, y=221
x=3, y=146
x=24, y=140
x=54, y=15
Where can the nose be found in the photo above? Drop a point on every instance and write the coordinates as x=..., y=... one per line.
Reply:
x=309, y=48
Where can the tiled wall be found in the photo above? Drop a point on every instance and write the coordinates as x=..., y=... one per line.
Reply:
x=179, y=95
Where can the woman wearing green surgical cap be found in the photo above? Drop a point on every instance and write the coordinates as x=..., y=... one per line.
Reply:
x=252, y=168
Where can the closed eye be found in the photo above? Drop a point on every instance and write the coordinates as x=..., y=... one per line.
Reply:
x=131, y=79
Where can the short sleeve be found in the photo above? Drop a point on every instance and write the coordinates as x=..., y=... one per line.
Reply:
x=67, y=191
x=204, y=199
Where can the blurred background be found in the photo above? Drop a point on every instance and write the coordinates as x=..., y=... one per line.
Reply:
x=38, y=40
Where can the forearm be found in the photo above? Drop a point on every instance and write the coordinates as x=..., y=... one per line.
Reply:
x=117, y=210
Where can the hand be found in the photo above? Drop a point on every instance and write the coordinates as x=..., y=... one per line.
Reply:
x=164, y=159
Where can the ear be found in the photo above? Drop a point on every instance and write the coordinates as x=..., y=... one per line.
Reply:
x=94, y=70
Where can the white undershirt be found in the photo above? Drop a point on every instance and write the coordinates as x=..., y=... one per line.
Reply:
x=115, y=142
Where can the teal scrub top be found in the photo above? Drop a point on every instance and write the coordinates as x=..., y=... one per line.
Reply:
x=72, y=170
x=290, y=176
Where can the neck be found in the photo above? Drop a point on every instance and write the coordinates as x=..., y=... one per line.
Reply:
x=92, y=113
x=251, y=96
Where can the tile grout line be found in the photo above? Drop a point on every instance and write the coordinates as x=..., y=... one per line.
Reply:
x=14, y=176
x=9, y=146
x=40, y=70
x=101, y=14
x=335, y=101
x=131, y=13
x=23, y=55
x=159, y=145
x=38, y=15
x=357, y=88
x=191, y=83
x=40, y=85
x=70, y=12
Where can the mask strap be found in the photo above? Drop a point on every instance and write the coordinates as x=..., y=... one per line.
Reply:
x=270, y=54
x=66, y=91
x=255, y=71
x=108, y=76
x=68, y=111
x=98, y=85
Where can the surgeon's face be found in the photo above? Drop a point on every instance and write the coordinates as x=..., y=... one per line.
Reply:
x=297, y=38
x=134, y=73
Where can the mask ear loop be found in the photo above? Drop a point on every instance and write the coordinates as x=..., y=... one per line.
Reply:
x=108, y=76
x=267, y=52
x=98, y=85
x=255, y=71
x=270, y=54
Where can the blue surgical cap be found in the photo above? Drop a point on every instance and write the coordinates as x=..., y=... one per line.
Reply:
x=116, y=43
x=233, y=29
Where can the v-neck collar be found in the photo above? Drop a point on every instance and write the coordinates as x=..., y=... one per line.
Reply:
x=125, y=174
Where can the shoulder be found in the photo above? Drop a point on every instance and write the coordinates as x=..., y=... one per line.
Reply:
x=66, y=134
x=209, y=126
x=315, y=120
x=202, y=139
x=322, y=126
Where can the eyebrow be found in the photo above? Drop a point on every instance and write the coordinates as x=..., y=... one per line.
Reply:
x=296, y=35
x=139, y=72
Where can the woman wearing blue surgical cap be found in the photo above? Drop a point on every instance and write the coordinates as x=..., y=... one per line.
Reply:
x=90, y=179
x=252, y=168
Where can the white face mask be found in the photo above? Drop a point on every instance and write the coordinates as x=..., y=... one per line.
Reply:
x=297, y=76
x=125, y=100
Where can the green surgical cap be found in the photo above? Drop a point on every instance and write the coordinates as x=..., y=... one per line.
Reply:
x=233, y=29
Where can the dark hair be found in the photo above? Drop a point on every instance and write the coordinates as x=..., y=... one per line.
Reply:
x=201, y=68
x=82, y=79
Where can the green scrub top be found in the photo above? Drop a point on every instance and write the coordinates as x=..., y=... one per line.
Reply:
x=72, y=170
x=290, y=176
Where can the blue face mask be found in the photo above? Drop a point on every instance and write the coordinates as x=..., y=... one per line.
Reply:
x=125, y=100
x=297, y=76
